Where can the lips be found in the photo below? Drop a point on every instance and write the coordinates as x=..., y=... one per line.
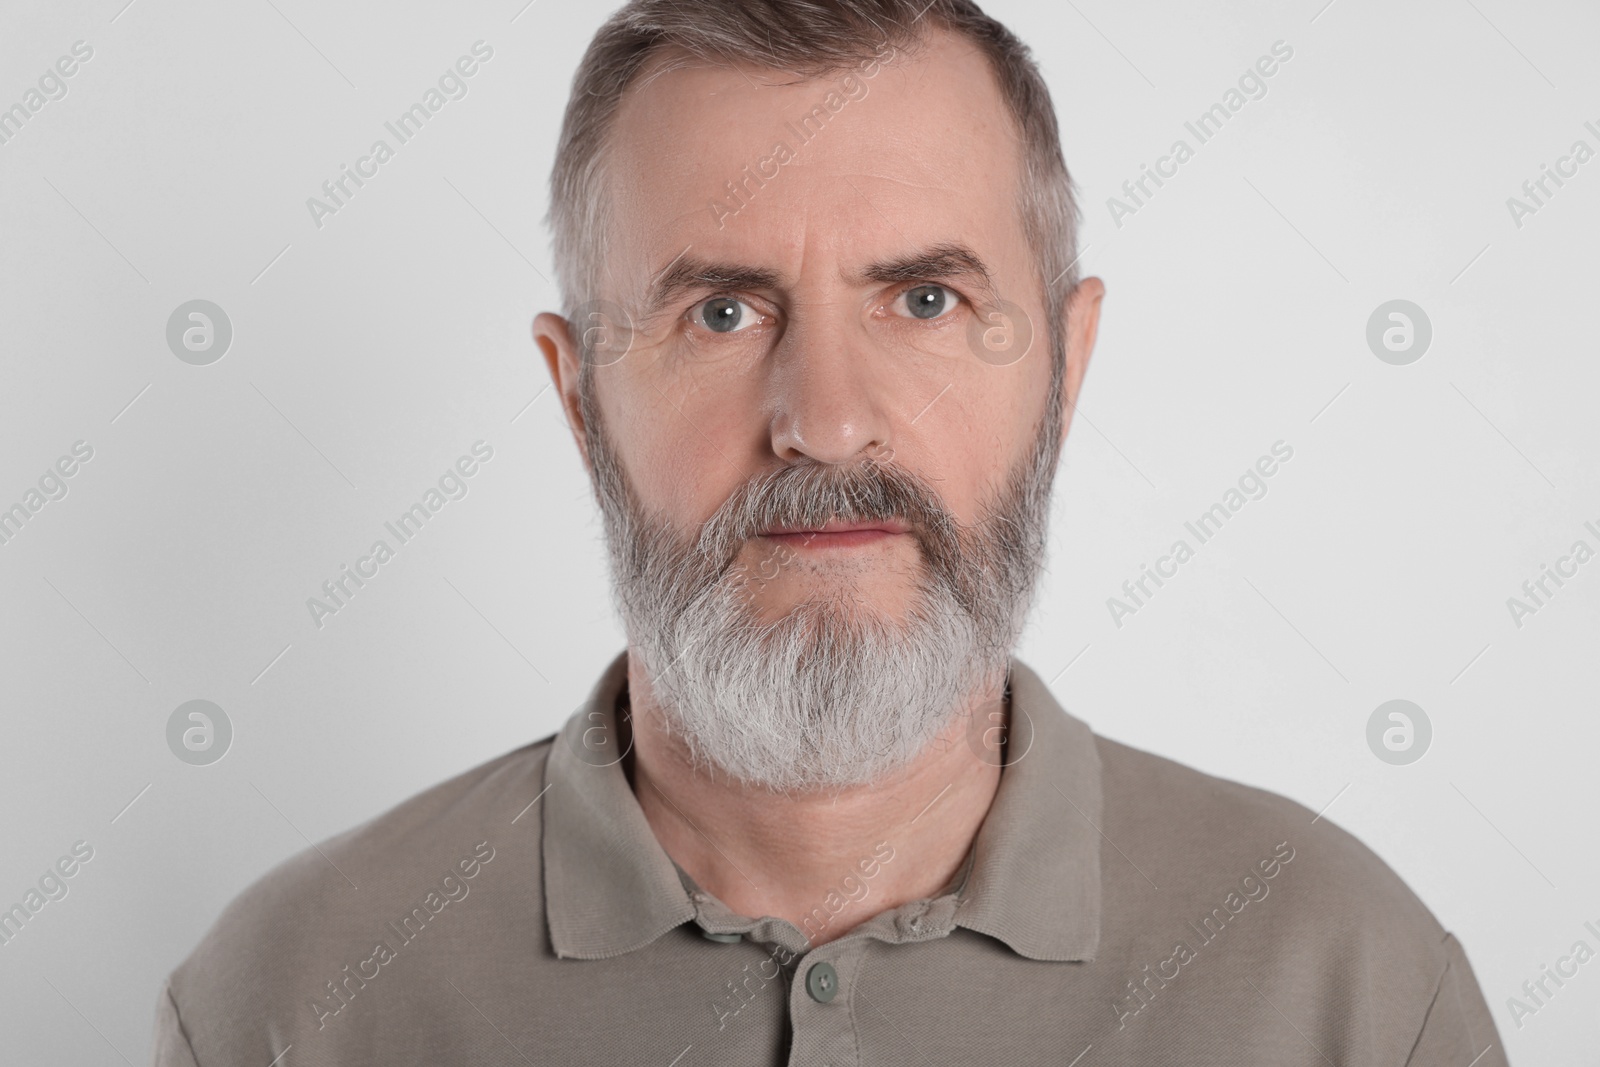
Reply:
x=886, y=526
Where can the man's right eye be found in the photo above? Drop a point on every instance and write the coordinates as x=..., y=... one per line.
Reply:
x=724, y=314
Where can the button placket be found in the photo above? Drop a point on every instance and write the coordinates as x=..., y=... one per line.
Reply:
x=822, y=1005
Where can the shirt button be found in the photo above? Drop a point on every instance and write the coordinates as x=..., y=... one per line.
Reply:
x=822, y=982
x=726, y=939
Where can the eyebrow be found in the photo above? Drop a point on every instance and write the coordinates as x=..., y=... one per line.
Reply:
x=940, y=261
x=688, y=273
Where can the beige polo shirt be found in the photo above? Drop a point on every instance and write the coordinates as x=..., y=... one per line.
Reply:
x=1116, y=908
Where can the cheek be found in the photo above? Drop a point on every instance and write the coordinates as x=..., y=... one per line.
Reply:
x=987, y=426
x=684, y=447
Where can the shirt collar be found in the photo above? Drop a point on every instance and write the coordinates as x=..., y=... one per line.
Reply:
x=1034, y=881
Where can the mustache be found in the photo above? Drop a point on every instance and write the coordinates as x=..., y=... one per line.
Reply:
x=813, y=494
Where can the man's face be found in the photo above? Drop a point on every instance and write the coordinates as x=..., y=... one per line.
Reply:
x=843, y=311
x=826, y=363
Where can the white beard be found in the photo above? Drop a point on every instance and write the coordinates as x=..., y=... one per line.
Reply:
x=831, y=695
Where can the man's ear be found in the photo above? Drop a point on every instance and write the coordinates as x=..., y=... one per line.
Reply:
x=551, y=334
x=1081, y=315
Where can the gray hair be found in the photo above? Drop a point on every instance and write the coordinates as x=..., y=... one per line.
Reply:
x=813, y=39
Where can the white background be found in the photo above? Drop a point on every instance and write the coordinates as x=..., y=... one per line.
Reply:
x=370, y=353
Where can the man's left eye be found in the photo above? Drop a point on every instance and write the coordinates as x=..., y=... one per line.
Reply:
x=925, y=302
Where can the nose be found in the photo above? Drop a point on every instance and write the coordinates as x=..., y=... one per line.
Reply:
x=826, y=394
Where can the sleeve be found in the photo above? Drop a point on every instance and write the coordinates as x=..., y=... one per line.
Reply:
x=171, y=1045
x=1458, y=1030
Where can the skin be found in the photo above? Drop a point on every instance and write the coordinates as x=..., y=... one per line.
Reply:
x=832, y=369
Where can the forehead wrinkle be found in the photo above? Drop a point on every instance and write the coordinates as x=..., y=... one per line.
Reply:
x=908, y=183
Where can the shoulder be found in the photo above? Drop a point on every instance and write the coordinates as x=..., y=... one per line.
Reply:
x=1212, y=843
x=1275, y=902
x=1198, y=818
x=278, y=941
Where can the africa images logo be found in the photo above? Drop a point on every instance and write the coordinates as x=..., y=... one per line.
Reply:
x=452, y=85
x=1141, y=991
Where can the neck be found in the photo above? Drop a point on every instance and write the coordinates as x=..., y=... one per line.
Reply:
x=769, y=854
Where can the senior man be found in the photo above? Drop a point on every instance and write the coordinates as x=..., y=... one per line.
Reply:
x=823, y=339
